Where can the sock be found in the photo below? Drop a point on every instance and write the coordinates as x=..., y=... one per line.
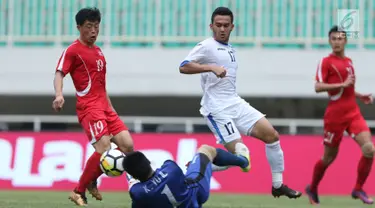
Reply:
x=364, y=168
x=275, y=157
x=224, y=158
x=319, y=170
x=91, y=172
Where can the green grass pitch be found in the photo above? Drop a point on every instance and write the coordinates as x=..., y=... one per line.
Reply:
x=31, y=199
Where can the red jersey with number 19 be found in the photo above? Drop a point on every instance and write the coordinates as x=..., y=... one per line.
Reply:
x=87, y=67
x=342, y=105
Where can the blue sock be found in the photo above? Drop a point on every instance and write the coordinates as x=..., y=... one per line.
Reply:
x=224, y=158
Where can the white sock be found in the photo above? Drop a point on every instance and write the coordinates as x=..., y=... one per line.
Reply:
x=277, y=180
x=216, y=168
x=275, y=157
x=241, y=149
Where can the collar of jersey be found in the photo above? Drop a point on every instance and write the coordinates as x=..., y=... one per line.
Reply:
x=227, y=44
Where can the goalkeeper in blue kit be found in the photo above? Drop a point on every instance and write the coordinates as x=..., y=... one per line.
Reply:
x=168, y=186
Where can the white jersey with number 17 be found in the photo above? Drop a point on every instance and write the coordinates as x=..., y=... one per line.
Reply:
x=218, y=93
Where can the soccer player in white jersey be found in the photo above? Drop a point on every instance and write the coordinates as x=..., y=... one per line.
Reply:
x=227, y=114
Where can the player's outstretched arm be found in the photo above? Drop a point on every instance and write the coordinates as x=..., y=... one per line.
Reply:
x=196, y=62
x=323, y=87
x=194, y=68
x=64, y=66
x=358, y=94
x=365, y=98
x=322, y=74
x=58, y=85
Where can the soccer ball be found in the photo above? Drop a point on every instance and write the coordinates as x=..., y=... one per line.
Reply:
x=111, y=162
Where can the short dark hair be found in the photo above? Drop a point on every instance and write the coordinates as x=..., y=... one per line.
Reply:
x=335, y=29
x=137, y=165
x=224, y=11
x=91, y=14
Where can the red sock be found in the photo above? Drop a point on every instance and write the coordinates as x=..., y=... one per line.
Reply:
x=364, y=168
x=91, y=172
x=319, y=170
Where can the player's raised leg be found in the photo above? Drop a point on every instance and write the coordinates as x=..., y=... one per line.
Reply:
x=365, y=164
x=199, y=169
x=224, y=158
x=264, y=131
x=239, y=148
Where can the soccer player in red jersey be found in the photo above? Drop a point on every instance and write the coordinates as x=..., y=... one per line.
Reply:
x=335, y=75
x=87, y=66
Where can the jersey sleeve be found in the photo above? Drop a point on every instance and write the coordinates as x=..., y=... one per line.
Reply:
x=322, y=71
x=170, y=166
x=66, y=61
x=197, y=54
x=135, y=203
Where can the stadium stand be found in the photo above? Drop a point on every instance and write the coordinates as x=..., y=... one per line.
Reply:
x=140, y=23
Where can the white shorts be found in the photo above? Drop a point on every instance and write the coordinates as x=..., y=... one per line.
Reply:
x=232, y=122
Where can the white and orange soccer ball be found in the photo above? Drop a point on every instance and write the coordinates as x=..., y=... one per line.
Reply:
x=111, y=162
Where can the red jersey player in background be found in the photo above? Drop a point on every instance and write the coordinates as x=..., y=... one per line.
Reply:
x=87, y=66
x=335, y=75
